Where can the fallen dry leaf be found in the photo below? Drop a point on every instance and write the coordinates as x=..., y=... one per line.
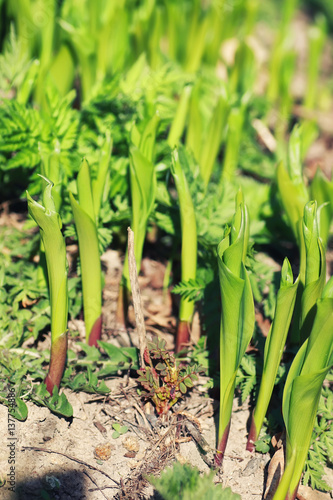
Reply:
x=275, y=471
x=131, y=443
x=103, y=451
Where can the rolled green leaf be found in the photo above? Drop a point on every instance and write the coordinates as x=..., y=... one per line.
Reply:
x=274, y=346
x=143, y=189
x=233, y=141
x=322, y=191
x=51, y=169
x=315, y=269
x=196, y=43
x=50, y=224
x=98, y=184
x=291, y=186
x=91, y=273
x=302, y=393
x=317, y=37
x=195, y=126
x=237, y=316
x=189, y=247
x=213, y=138
x=178, y=124
x=62, y=70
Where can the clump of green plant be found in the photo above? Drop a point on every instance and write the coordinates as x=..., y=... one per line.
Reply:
x=321, y=449
x=302, y=392
x=186, y=483
x=164, y=378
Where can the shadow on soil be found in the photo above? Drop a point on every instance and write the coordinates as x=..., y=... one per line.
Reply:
x=55, y=486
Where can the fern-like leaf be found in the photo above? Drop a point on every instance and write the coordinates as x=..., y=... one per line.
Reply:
x=191, y=289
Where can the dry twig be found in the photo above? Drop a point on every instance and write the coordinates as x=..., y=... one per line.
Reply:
x=136, y=296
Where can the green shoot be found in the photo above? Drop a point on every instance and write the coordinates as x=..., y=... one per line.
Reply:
x=55, y=253
x=315, y=268
x=143, y=188
x=321, y=190
x=237, y=316
x=178, y=123
x=317, y=37
x=189, y=247
x=302, y=393
x=85, y=221
x=213, y=138
x=274, y=346
x=233, y=142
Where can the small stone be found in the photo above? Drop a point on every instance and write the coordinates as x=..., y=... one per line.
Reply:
x=103, y=451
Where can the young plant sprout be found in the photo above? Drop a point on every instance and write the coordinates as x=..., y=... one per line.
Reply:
x=143, y=188
x=302, y=392
x=51, y=169
x=237, y=316
x=292, y=190
x=235, y=128
x=189, y=248
x=205, y=144
x=85, y=221
x=49, y=223
x=213, y=138
x=321, y=190
x=317, y=37
x=178, y=123
x=274, y=346
x=315, y=268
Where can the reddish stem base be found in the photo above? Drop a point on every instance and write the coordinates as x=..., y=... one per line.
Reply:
x=57, y=363
x=96, y=332
x=221, y=447
x=293, y=496
x=183, y=335
x=253, y=436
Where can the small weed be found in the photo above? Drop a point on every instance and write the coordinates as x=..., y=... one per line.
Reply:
x=119, y=430
x=165, y=380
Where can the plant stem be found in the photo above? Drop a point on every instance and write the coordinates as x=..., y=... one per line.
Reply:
x=57, y=362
